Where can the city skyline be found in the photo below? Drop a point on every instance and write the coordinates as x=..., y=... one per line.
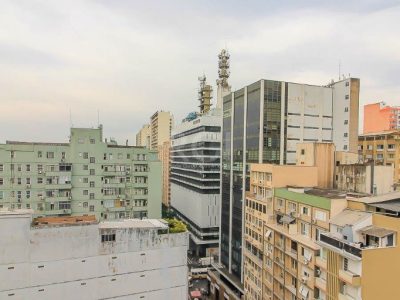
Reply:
x=126, y=60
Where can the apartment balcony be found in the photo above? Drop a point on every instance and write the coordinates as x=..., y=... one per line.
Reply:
x=340, y=246
x=257, y=260
x=345, y=297
x=58, y=186
x=114, y=173
x=320, y=262
x=140, y=185
x=57, y=198
x=350, y=278
x=113, y=197
x=56, y=173
x=320, y=283
x=57, y=212
x=114, y=185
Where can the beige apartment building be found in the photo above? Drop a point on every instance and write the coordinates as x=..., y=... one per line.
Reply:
x=382, y=147
x=157, y=136
x=143, y=137
x=164, y=157
x=161, y=124
x=281, y=228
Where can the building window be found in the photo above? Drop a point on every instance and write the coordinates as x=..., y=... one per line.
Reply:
x=347, y=83
x=346, y=109
x=128, y=156
x=12, y=154
x=347, y=97
x=28, y=194
x=345, y=147
x=303, y=151
x=92, y=172
x=320, y=215
x=85, y=155
x=108, y=237
x=346, y=122
x=92, y=141
x=92, y=184
x=91, y=196
x=92, y=160
x=62, y=155
x=81, y=140
x=85, y=192
x=19, y=180
x=1, y=195
x=39, y=154
x=28, y=180
x=40, y=180
x=85, y=180
x=85, y=167
x=28, y=168
x=85, y=205
x=1, y=168
x=345, y=264
x=50, y=155
x=1, y=181
x=305, y=210
x=345, y=134
x=91, y=208
x=19, y=168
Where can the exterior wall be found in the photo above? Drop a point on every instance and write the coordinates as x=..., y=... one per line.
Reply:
x=161, y=124
x=383, y=148
x=57, y=262
x=345, y=107
x=195, y=175
x=378, y=117
x=320, y=155
x=143, y=137
x=164, y=157
x=282, y=176
x=104, y=179
x=380, y=267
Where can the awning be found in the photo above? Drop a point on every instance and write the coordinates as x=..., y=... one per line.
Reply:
x=268, y=233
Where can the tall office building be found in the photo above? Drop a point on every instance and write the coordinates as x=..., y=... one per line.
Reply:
x=262, y=123
x=161, y=124
x=195, y=178
x=87, y=175
x=81, y=258
x=143, y=137
x=380, y=117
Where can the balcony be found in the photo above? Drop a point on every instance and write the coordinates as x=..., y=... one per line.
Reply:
x=350, y=278
x=58, y=186
x=340, y=245
x=56, y=212
x=320, y=283
x=57, y=198
x=320, y=262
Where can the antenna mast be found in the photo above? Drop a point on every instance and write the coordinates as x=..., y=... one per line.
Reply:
x=223, y=74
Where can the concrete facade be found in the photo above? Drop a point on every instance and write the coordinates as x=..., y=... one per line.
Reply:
x=164, y=156
x=129, y=259
x=383, y=148
x=143, y=137
x=161, y=124
x=87, y=175
x=380, y=117
x=195, y=177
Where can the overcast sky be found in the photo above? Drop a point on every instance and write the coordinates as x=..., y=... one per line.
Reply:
x=127, y=59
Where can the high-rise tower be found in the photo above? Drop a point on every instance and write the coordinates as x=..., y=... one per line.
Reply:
x=223, y=87
x=204, y=95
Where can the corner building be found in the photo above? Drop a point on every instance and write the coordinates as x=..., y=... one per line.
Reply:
x=87, y=175
x=262, y=123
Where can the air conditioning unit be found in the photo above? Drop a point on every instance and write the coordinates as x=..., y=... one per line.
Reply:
x=70, y=197
x=40, y=171
x=28, y=186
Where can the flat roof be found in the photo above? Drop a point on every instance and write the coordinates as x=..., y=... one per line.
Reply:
x=134, y=223
x=36, y=143
x=380, y=198
x=393, y=205
x=66, y=220
x=376, y=231
x=349, y=217
x=385, y=132
x=305, y=198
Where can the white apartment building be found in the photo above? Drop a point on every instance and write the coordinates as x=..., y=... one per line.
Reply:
x=80, y=258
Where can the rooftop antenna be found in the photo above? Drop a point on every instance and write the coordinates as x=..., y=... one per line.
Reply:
x=339, y=69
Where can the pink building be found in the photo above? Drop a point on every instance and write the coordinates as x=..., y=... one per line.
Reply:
x=379, y=117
